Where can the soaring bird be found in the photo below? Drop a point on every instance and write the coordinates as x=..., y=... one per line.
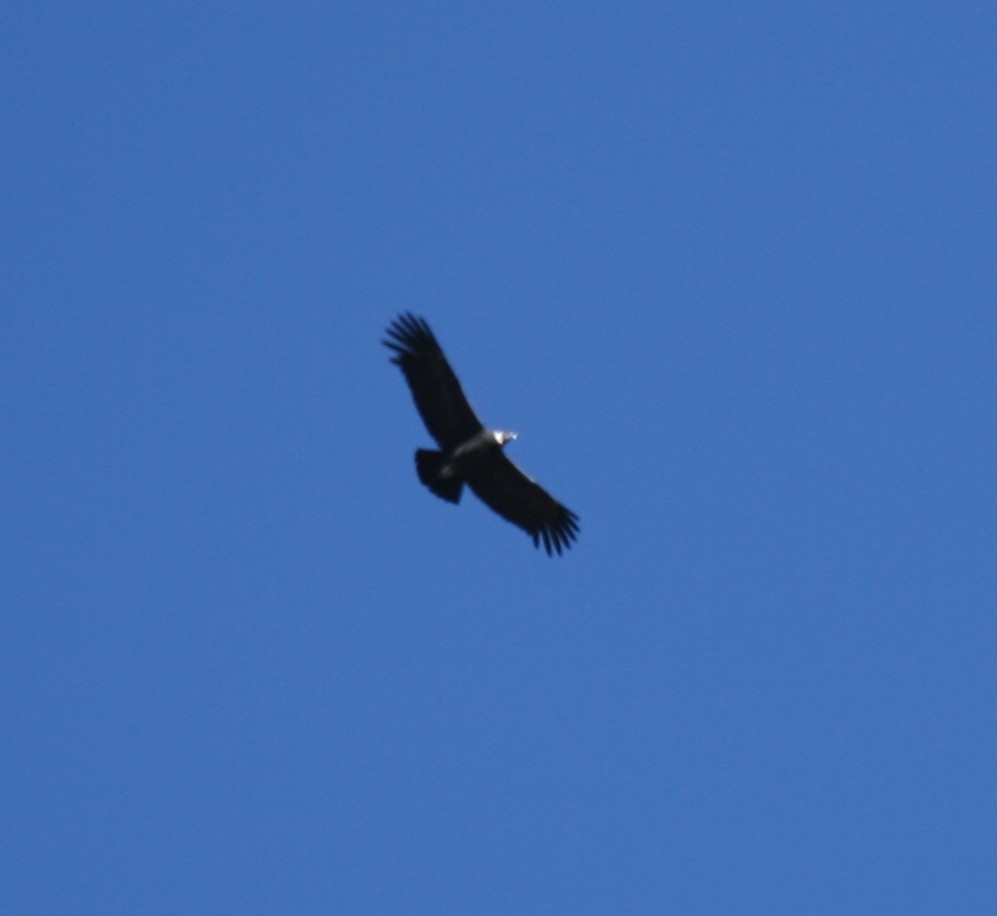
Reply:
x=470, y=452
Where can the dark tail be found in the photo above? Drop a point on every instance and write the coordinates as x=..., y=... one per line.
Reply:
x=428, y=465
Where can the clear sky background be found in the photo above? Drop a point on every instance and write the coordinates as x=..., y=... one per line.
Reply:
x=729, y=269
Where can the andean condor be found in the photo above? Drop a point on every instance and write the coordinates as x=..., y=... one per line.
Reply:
x=470, y=452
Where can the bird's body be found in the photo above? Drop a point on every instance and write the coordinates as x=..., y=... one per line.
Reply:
x=469, y=451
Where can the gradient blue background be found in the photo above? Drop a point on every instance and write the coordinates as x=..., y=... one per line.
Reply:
x=729, y=269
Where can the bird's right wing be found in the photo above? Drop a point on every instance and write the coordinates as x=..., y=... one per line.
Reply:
x=435, y=389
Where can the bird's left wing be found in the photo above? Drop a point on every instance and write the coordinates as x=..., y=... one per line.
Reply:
x=504, y=488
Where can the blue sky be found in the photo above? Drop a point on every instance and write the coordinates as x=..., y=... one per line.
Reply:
x=728, y=269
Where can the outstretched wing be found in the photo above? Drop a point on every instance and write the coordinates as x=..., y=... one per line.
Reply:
x=435, y=388
x=505, y=488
